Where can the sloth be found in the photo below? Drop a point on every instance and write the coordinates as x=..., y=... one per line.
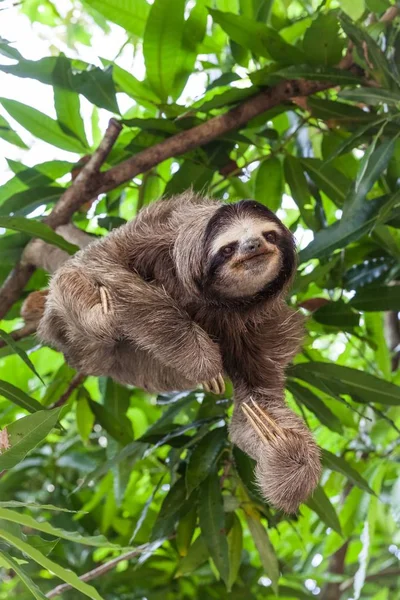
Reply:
x=191, y=291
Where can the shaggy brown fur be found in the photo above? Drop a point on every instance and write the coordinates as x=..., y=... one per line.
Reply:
x=161, y=303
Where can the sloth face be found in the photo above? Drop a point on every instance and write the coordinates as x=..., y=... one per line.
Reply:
x=249, y=252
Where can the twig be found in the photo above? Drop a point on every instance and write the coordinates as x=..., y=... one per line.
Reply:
x=75, y=382
x=76, y=195
x=21, y=333
x=390, y=14
x=106, y=567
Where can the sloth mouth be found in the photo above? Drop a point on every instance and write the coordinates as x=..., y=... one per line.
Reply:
x=257, y=257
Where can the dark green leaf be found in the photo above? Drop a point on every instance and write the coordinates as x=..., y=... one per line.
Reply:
x=212, y=524
x=339, y=464
x=337, y=314
x=67, y=103
x=174, y=506
x=372, y=96
x=359, y=384
x=203, y=458
x=19, y=397
x=322, y=43
x=235, y=546
x=98, y=87
x=117, y=428
x=315, y=405
x=331, y=181
x=377, y=298
x=197, y=555
x=321, y=505
x=297, y=182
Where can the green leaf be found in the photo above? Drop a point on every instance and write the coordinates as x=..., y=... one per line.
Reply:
x=162, y=45
x=235, y=546
x=377, y=298
x=359, y=384
x=25, y=434
x=174, y=506
x=339, y=464
x=212, y=524
x=372, y=96
x=297, y=182
x=64, y=574
x=337, y=314
x=331, y=181
x=264, y=547
x=41, y=126
x=84, y=418
x=8, y=134
x=97, y=85
x=10, y=562
x=257, y=37
x=197, y=555
x=353, y=8
x=96, y=541
x=320, y=504
x=315, y=405
x=269, y=183
x=24, y=202
x=19, y=397
x=38, y=230
x=136, y=89
x=322, y=43
x=203, y=458
x=185, y=531
x=67, y=103
x=317, y=73
x=117, y=428
x=129, y=14
x=21, y=353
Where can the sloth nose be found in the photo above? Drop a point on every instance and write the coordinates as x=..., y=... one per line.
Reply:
x=252, y=245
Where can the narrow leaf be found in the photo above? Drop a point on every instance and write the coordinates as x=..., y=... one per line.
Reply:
x=235, y=546
x=203, y=458
x=269, y=183
x=26, y=433
x=9, y=391
x=339, y=464
x=64, y=574
x=264, y=547
x=212, y=524
x=321, y=505
x=21, y=353
x=11, y=563
x=39, y=230
x=377, y=298
x=41, y=126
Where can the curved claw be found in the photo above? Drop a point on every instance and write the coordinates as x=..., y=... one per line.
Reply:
x=215, y=385
x=267, y=429
x=105, y=299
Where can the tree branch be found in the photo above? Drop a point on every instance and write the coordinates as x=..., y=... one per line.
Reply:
x=70, y=201
x=76, y=381
x=90, y=182
x=106, y=567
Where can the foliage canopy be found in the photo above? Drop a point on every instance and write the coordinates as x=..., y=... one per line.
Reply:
x=157, y=478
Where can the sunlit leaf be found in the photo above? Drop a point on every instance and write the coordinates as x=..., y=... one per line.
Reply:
x=37, y=229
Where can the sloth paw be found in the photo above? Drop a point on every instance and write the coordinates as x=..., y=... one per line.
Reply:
x=215, y=385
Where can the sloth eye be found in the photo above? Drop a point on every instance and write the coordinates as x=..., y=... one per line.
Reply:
x=271, y=237
x=228, y=250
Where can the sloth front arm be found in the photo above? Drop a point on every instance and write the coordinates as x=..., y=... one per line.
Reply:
x=107, y=302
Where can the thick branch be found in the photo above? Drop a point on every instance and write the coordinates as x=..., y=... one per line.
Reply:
x=106, y=567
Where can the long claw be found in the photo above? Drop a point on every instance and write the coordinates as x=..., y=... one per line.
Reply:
x=215, y=385
x=104, y=299
x=262, y=423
